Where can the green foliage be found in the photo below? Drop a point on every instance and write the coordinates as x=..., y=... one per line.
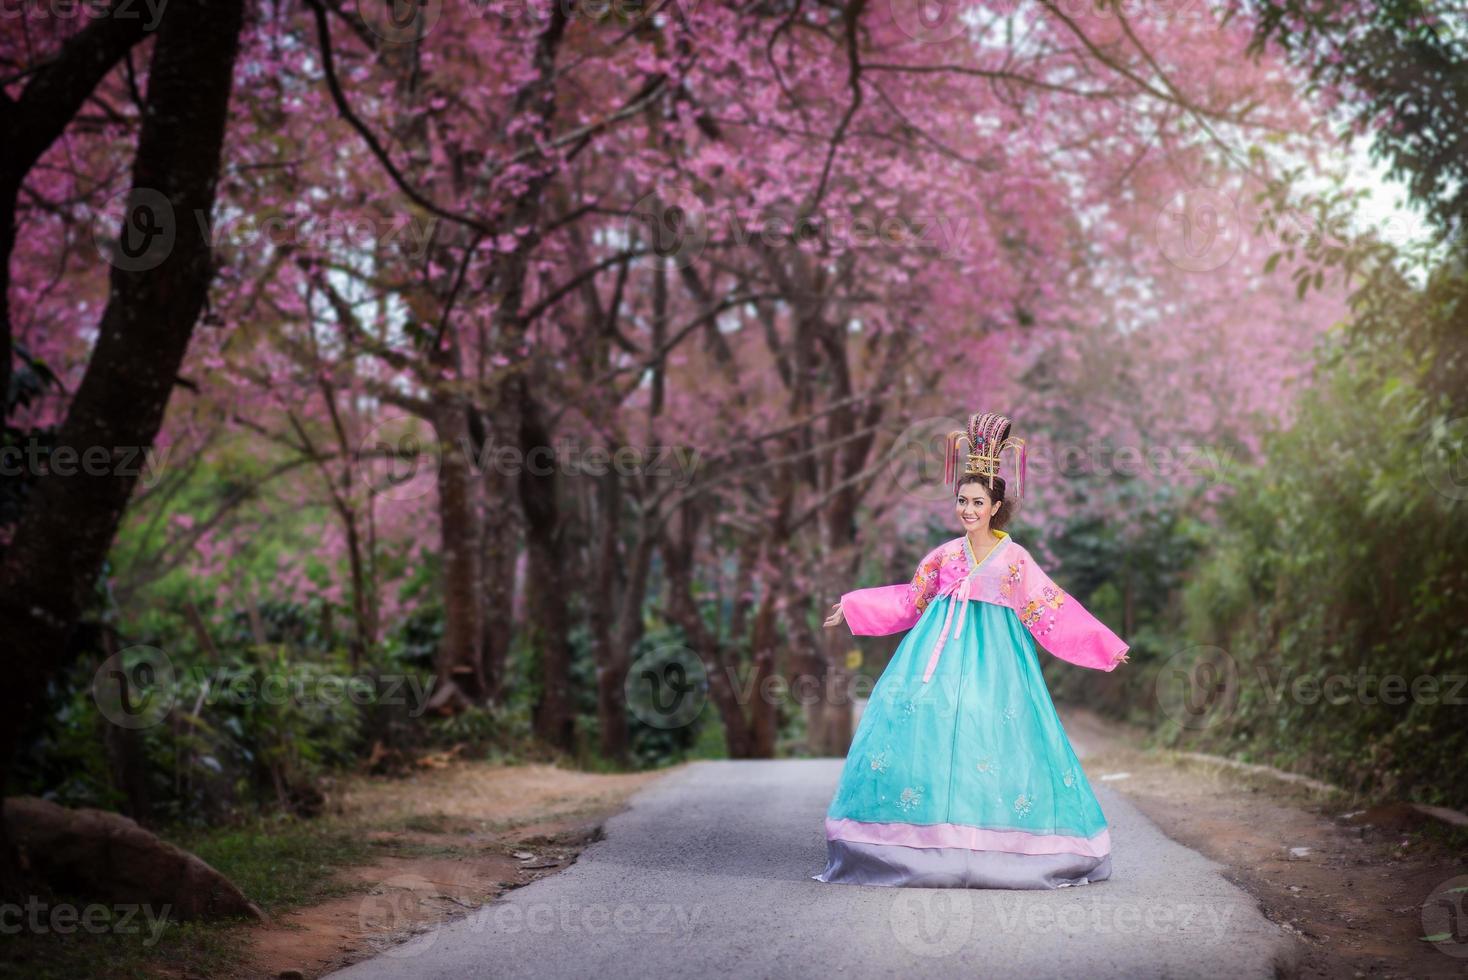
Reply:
x=281, y=862
x=499, y=733
x=1349, y=559
x=251, y=729
x=1126, y=571
x=1400, y=68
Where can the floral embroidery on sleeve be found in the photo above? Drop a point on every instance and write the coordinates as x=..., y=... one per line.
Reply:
x=1054, y=616
x=924, y=583
x=1039, y=610
x=1012, y=578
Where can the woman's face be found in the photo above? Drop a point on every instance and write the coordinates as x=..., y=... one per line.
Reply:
x=975, y=507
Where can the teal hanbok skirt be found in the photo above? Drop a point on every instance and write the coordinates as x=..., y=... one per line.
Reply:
x=968, y=780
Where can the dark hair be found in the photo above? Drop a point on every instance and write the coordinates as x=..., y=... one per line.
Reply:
x=1000, y=518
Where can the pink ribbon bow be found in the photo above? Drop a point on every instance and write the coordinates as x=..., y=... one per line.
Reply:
x=959, y=590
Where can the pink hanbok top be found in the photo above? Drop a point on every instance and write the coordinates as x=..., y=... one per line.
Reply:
x=1007, y=576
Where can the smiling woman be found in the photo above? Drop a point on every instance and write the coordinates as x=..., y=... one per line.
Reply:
x=960, y=774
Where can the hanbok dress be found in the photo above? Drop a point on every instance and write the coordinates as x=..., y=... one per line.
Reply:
x=960, y=774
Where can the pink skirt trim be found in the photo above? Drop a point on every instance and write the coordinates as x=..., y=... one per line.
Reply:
x=971, y=838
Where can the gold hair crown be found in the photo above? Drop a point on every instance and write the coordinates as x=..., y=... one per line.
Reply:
x=986, y=439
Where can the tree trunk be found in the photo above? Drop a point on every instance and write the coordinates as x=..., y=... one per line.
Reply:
x=460, y=668
x=611, y=702
x=48, y=573
x=553, y=715
x=500, y=536
x=725, y=691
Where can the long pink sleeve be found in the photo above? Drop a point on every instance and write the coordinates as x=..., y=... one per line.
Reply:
x=893, y=608
x=1060, y=624
x=880, y=610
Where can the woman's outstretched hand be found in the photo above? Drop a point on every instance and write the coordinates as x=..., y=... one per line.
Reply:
x=836, y=618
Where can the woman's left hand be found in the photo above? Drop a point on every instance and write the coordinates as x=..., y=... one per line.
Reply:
x=836, y=618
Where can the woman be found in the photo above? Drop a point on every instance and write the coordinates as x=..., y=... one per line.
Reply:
x=960, y=774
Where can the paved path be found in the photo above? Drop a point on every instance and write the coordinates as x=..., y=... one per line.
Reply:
x=708, y=874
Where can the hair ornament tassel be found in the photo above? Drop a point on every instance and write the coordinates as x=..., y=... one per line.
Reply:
x=1023, y=455
x=950, y=456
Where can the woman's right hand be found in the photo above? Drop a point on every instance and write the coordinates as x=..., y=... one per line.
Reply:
x=836, y=618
